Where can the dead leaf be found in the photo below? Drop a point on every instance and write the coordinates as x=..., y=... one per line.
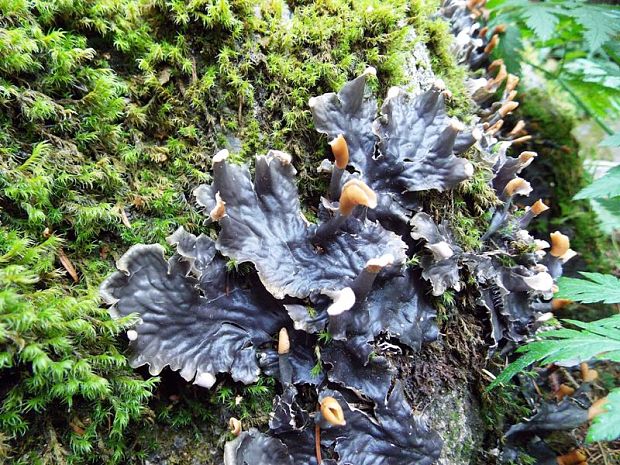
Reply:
x=66, y=263
x=104, y=251
x=124, y=218
x=194, y=73
x=164, y=76
x=138, y=201
x=77, y=426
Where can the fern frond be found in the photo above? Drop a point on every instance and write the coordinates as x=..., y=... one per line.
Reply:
x=605, y=186
x=608, y=213
x=597, y=340
x=606, y=427
x=596, y=288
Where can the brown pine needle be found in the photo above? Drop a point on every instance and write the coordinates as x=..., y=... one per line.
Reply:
x=66, y=263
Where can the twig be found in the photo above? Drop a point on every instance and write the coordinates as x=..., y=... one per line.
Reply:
x=603, y=454
x=66, y=263
x=240, y=109
x=570, y=378
x=537, y=389
x=194, y=73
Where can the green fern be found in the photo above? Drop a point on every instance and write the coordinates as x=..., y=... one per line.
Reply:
x=608, y=214
x=605, y=186
x=598, y=340
x=573, y=44
x=596, y=25
x=596, y=288
x=606, y=426
x=604, y=193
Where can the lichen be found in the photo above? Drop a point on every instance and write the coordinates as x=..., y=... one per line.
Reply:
x=561, y=167
x=172, y=294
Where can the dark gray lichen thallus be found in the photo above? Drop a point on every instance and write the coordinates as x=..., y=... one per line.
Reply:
x=408, y=147
x=202, y=320
x=390, y=435
x=568, y=414
x=341, y=258
x=194, y=316
x=261, y=222
x=394, y=303
x=473, y=45
x=514, y=296
x=442, y=266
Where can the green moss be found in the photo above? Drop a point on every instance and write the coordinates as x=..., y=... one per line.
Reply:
x=140, y=94
x=189, y=423
x=436, y=36
x=247, y=403
x=64, y=383
x=524, y=459
x=501, y=408
x=466, y=208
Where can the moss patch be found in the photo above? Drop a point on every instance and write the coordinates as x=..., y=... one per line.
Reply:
x=64, y=383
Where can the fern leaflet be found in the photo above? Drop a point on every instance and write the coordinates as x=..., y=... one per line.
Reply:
x=596, y=287
x=606, y=427
x=605, y=186
x=599, y=339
